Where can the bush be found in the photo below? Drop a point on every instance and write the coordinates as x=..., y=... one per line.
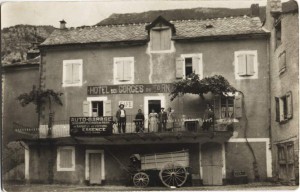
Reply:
x=12, y=155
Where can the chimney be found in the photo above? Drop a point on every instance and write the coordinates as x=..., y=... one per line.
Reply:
x=255, y=10
x=276, y=8
x=62, y=24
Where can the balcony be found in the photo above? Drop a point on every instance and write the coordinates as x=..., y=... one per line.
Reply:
x=182, y=126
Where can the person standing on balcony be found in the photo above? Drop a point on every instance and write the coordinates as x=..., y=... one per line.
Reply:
x=208, y=118
x=162, y=117
x=170, y=122
x=139, y=121
x=153, y=122
x=121, y=118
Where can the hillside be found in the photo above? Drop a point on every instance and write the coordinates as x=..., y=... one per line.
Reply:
x=178, y=14
x=16, y=40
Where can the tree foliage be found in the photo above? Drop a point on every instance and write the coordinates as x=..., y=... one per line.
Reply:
x=216, y=84
x=39, y=97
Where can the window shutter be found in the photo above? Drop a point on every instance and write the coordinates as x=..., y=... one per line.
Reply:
x=282, y=62
x=107, y=108
x=179, y=67
x=289, y=105
x=155, y=40
x=127, y=70
x=196, y=63
x=238, y=110
x=241, y=64
x=76, y=72
x=250, y=64
x=119, y=66
x=277, y=118
x=65, y=158
x=67, y=73
x=217, y=106
x=86, y=108
x=165, y=37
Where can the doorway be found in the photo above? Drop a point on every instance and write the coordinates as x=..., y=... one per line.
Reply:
x=212, y=164
x=97, y=108
x=154, y=105
x=152, y=102
x=95, y=168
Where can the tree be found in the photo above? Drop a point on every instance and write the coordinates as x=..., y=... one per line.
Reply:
x=40, y=97
x=216, y=84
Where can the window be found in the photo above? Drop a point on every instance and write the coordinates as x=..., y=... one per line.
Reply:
x=160, y=37
x=66, y=158
x=282, y=62
x=246, y=66
x=123, y=70
x=72, y=73
x=96, y=107
x=188, y=64
x=284, y=107
x=278, y=32
x=227, y=107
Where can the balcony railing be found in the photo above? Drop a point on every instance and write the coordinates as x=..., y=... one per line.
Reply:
x=179, y=123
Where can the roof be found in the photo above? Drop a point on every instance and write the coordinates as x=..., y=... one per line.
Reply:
x=27, y=63
x=185, y=29
x=179, y=14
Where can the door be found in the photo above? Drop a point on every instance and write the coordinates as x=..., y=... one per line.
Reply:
x=154, y=105
x=95, y=168
x=211, y=162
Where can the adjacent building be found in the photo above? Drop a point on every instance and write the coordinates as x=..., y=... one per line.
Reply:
x=283, y=22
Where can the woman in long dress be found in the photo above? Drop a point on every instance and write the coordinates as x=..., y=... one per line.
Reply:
x=153, y=121
x=170, y=122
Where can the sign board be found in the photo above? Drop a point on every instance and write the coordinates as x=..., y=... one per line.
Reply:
x=91, y=126
x=129, y=89
x=127, y=104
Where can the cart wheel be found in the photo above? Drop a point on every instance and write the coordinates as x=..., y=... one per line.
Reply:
x=141, y=179
x=173, y=174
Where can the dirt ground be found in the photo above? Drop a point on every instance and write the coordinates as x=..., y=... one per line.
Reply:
x=69, y=188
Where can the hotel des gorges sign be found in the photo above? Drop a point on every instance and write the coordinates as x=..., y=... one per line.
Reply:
x=129, y=89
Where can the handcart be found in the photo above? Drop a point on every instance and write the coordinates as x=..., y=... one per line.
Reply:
x=172, y=168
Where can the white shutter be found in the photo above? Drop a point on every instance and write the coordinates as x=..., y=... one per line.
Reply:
x=250, y=64
x=107, y=108
x=127, y=65
x=76, y=72
x=67, y=67
x=289, y=105
x=196, y=64
x=86, y=108
x=179, y=67
x=119, y=69
x=241, y=59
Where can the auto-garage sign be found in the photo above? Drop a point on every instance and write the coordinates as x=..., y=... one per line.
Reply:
x=91, y=126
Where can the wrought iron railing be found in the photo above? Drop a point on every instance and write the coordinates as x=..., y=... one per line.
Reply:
x=191, y=122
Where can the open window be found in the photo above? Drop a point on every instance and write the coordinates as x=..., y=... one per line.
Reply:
x=284, y=107
x=66, y=158
x=188, y=64
x=96, y=107
x=123, y=70
x=246, y=65
x=278, y=32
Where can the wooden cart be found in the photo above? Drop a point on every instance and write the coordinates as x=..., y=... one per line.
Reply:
x=172, y=168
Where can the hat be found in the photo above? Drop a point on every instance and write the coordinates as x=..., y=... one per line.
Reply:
x=121, y=105
x=162, y=108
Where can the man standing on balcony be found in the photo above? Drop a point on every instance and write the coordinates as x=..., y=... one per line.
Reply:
x=162, y=117
x=208, y=118
x=121, y=118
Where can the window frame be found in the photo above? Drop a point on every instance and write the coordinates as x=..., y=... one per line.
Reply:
x=236, y=64
x=68, y=62
x=282, y=108
x=227, y=108
x=278, y=28
x=59, y=168
x=91, y=99
x=115, y=71
x=200, y=64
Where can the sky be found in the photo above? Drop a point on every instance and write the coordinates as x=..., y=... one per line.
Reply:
x=78, y=13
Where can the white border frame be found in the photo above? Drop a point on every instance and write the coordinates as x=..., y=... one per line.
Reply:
x=172, y=47
x=58, y=158
x=87, y=163
x=90, y=99
x=65, y=62
x=116, y=82
x=236, y=53
x=146, y=100
x=200, y=65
